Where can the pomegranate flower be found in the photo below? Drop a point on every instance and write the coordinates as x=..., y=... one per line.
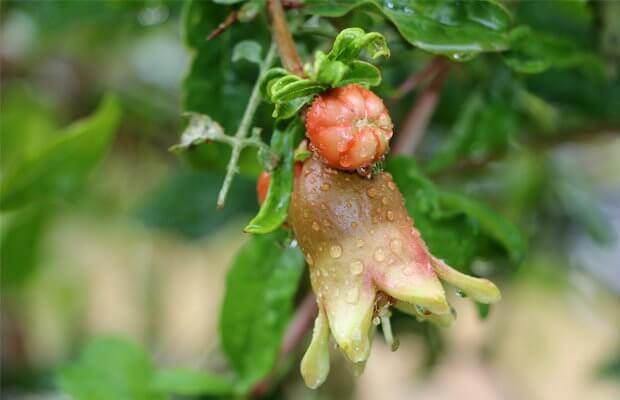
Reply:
x=365, y=256
x=349, y=127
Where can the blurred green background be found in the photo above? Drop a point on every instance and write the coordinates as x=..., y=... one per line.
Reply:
x=133, y=244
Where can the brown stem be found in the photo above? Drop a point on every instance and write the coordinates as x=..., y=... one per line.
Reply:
x=415, y=124
x=432, y=68
x=295, y=332
x=230, y=19
x=284, y=40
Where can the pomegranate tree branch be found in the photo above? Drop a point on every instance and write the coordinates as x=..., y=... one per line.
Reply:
x=435, y=65
x=415, y=124
x=230, y=19
x=284, y=39
x=295, y=332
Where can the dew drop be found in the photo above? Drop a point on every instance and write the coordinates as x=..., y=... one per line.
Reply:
x=325, y=187
x=325, y=273
x=391, y=185
x=461, y=293
x=335, y=251
x=309, y=259
x=360, y=243
x=372, y=192
x=421, y=310
x=379, y=255
x=376, y=321
x=356, y=267
x=323, y=206
x=385, y=200
x=316, y=226
x=390, y=215
x=352, y=295
x=395, y=245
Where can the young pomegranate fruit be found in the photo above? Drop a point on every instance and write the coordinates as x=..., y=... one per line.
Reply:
x=365, y=255
x=349, y=127
x=262, y=186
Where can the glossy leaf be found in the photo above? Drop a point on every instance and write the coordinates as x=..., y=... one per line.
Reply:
x=65, y=163
x=533, y=52
x=260, y=288
x=247, y=50
x=190, y=383
x=274, y=210
x=109, y=368
x=20, y=242
x=453, y=28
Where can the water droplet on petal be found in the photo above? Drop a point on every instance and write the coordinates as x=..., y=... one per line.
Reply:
x=325, y=187
x=325, y=273
x=372, y=192
x=395, y=245
x=357, y=267
x=390, y=215
x=352, y=295
x=323, y=206
x=461, y=293
x=360, y=243
x=335, y=251
x=309, y=259
x=376, y=321
x=379, y=255
x=391, y=185
x=385, y=200
x=316, y=226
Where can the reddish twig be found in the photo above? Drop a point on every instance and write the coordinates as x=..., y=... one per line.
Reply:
x=295, y=332
x=292, y=4
x=437, y=64
x=228, y=21
x=284, y=40
x=415, y=124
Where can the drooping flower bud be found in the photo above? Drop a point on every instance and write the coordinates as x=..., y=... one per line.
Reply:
x=349, y=127
x=365, y=256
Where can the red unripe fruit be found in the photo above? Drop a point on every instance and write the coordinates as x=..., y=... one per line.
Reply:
x=349, y=127
x=262, y=186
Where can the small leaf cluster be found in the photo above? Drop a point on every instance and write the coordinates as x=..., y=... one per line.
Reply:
x=339, y=67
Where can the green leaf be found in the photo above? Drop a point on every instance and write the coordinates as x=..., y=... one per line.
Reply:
x=455, y=227
x=22, y=233
x=459, y=29
x=351, y=42
x=274, y=210
x=361, y=73
x=247, y=50
x=489, y=119
x=228, y=1
x=339, y=67
x=492, y=224
x=184, y=203
x=214, y=85
x=109, y=368
x=533, y=52
x=65, y=163
x=258, y=304
x=190, y=383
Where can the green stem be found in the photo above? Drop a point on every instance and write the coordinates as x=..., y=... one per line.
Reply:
x=240, y=141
